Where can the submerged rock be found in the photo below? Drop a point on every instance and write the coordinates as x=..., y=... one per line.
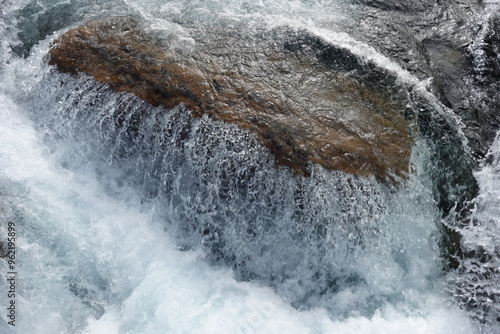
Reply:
x=301, y=107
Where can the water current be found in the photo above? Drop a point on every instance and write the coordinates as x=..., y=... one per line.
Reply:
x=186, y=226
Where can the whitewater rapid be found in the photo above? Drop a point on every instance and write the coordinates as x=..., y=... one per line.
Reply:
x=94, y=263
x=98, y=243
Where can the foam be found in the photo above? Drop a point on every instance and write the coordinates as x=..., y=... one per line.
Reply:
x=96, y=257
x=75, y=235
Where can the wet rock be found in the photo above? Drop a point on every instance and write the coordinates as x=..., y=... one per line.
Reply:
x=456, y=44
x=447, y=41
x=323, y=108
x=398, y=5
x=37, y=21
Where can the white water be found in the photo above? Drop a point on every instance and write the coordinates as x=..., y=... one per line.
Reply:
x=72, y=234
x=478, y=279
x=93, y=256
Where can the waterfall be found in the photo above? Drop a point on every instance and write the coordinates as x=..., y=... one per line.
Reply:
x=129, y=218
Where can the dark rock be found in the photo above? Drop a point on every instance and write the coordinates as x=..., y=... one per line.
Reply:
x=399, y=5
x=325, y=109
x=37, y=21
x=455, y=43
x=450, y=42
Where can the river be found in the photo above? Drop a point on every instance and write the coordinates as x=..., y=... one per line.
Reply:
x=188, y=227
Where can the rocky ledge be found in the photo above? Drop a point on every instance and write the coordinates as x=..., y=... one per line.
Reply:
x=299, y=107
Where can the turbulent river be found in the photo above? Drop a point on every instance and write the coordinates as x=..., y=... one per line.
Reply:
x=186, y=226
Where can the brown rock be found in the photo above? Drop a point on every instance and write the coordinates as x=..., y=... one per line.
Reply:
x=298, y=108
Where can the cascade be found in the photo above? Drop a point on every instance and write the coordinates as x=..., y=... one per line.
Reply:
x=131, y=217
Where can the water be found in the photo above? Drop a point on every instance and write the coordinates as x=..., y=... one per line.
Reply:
x=477, y=283
x=186, y=226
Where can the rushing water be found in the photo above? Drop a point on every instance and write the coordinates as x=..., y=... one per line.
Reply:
x=185, y=225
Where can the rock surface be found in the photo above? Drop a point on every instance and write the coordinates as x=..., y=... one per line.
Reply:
x=450, y=41
x=456, y=43
x=299, y=107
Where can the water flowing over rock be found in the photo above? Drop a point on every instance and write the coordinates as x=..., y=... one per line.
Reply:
x=453, y=43
x=456, y=45
x=300, y=107
x=159, y=125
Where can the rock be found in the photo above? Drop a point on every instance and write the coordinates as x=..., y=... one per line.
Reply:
x=455, y=43
x=398, y=5
x=299, y=107
x=36, y=21
x=448, y=41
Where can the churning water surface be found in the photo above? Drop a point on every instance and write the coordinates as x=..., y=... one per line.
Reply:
x=124, y=234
